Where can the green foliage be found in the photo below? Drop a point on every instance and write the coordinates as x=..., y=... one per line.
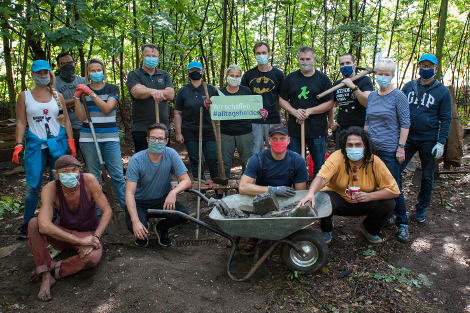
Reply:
x=403, y=276
x=9, y=205
x=293, y=275
x=369, y=252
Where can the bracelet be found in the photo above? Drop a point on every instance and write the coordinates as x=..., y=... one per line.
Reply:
x=76, y=98
x=19, y=144
x=94, y=96
x=355, y=88
x=95, y=235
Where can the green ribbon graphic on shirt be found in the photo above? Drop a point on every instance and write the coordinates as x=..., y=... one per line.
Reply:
x=304, y=93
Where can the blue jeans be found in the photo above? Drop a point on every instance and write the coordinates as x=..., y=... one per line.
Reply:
x=32, y=193
x=317, y=149
x=390, y=160
x=428, y=164
x=209, y=150
x=111, y=153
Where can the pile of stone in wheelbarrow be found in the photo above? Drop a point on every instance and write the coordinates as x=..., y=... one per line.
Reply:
x=264, y=205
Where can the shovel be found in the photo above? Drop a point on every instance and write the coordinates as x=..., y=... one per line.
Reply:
x=157, y=112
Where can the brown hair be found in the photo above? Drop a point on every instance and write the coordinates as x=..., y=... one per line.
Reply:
x=158, y=126
x=259, y=44
x=91, y=61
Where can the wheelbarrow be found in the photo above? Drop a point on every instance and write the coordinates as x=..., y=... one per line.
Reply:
x=301, y=249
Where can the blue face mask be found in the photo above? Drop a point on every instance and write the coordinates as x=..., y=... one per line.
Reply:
x=383, y=81
x=69, y=180
x=426, y=73
x=262, y=59
x=195, y=75
x=346, y=70
x=97, y=77
x=150, y=62
x=355, y=154
x=156, y=147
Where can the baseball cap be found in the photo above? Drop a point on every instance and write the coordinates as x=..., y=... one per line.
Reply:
x=278, y=129
x=66, y=161
x=195, y=64
x=428, y=57
x=40, y=65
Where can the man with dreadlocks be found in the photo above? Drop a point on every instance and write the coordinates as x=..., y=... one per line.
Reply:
x=354, y=165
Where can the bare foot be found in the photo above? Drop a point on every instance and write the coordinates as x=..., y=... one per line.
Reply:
x=45, y=290
x=34, y=278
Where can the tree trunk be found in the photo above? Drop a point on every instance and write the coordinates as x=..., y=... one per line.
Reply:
x=24, y=68
x=122, y=103
x=9, y=72
x=81, y=54
x=224, y=44
x=440, y=36
x=393, y=28
x=377, y=27
x=136, y=31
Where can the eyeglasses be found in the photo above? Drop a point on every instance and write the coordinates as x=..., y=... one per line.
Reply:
x=426, y=66
x=67, y=63
x=155, y=139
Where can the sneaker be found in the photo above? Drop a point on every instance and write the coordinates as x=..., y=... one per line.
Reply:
x=403, y=235
x=251, y=243
x=142, y=243
x=420, y=218
x=371, y=238
x=23, y=232
x=162, y=237
x=391, y=222
x=326, y=235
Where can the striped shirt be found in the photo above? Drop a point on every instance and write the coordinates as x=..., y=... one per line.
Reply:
x=104, y=124
x=385, y=116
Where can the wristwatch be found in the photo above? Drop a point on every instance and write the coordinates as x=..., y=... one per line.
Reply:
x=400, y=145
x=355, y=88
x=93, y=96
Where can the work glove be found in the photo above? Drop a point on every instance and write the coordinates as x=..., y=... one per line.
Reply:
x=72, y=147
x=438, y=150
x=264, y=113
x=16, y=154
x=282, y=191
x=78, y=93
x=207, y=103
x=85, y=89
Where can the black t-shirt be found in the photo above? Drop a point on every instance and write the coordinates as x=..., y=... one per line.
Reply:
x=268, y=85
x=350, y=111
x=236, y=127
x=301, y=92
x=188, y=100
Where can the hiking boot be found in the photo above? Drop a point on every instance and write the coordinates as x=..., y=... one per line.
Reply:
x=326, y=235
x=420, y=218
x=251, y=243
x=142, y=243
x=162, y=237
x=403, y=235
x=22, y=232
x=371, y=238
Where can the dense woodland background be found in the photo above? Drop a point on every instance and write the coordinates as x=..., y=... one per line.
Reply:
x=219, y=33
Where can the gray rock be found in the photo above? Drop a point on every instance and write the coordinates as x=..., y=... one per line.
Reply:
x=265, y=202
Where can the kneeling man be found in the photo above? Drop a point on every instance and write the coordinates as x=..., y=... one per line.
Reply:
x=77, y=226
x=148, y=186
x=354, y=165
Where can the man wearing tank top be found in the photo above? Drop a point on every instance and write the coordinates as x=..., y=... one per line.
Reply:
x=66, y=83
x=77, y=225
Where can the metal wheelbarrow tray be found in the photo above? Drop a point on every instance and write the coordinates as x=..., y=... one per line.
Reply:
x=302, y=249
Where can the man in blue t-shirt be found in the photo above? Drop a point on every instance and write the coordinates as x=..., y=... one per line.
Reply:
x=278, y=169
x=148, y=186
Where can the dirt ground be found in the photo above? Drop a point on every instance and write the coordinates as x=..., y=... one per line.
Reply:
x=430, y=273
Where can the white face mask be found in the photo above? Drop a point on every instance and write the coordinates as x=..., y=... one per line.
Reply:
x=262, y=59
x=234, y=82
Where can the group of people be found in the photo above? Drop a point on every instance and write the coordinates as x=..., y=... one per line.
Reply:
x=377, y=133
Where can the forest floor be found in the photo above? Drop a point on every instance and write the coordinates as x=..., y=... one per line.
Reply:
x=430, y=273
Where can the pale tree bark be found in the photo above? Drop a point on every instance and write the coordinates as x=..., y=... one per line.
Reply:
x=440, y=36
x=9, y=70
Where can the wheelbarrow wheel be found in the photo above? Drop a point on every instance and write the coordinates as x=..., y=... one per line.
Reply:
x=312, y=244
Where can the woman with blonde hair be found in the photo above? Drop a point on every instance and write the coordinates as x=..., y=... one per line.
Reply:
x=102, y=99
x=45, y=139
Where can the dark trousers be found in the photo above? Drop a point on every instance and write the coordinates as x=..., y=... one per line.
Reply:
x=377, y=212
x=140, y=140
x=170, y=220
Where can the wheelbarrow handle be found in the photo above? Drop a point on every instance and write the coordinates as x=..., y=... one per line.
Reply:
x=203, y=197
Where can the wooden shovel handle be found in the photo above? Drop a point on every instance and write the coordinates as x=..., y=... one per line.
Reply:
x=341, y=85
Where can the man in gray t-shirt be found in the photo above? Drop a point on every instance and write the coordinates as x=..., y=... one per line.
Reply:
x=148, y=85
x=148, y=186
x=65, y=83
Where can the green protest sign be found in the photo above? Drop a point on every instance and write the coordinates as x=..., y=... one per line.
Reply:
x=236, y=107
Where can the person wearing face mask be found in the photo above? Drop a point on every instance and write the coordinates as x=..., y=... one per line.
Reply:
x=388, y=123
x=299, y=99
x=65, y=83
x=102, y=99
x=264, y=80
x=431, y=115
x=148, y=186
x=351, y=100
x=147, y=85
x=75, y=197
x=355, y=165
x=236, y=133
x=188, y=101
x=277, y=169
x=45, y=139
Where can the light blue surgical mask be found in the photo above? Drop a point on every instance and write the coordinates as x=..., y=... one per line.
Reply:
x=383, y=81
x=42, y=81
x=151, y=62
x=69, y=180
x=97, y=77
x=157, y=147
x=355, y=154
x=262, y=59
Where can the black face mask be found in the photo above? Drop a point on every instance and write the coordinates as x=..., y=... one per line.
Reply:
x=67, y=73
x=195, y=75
